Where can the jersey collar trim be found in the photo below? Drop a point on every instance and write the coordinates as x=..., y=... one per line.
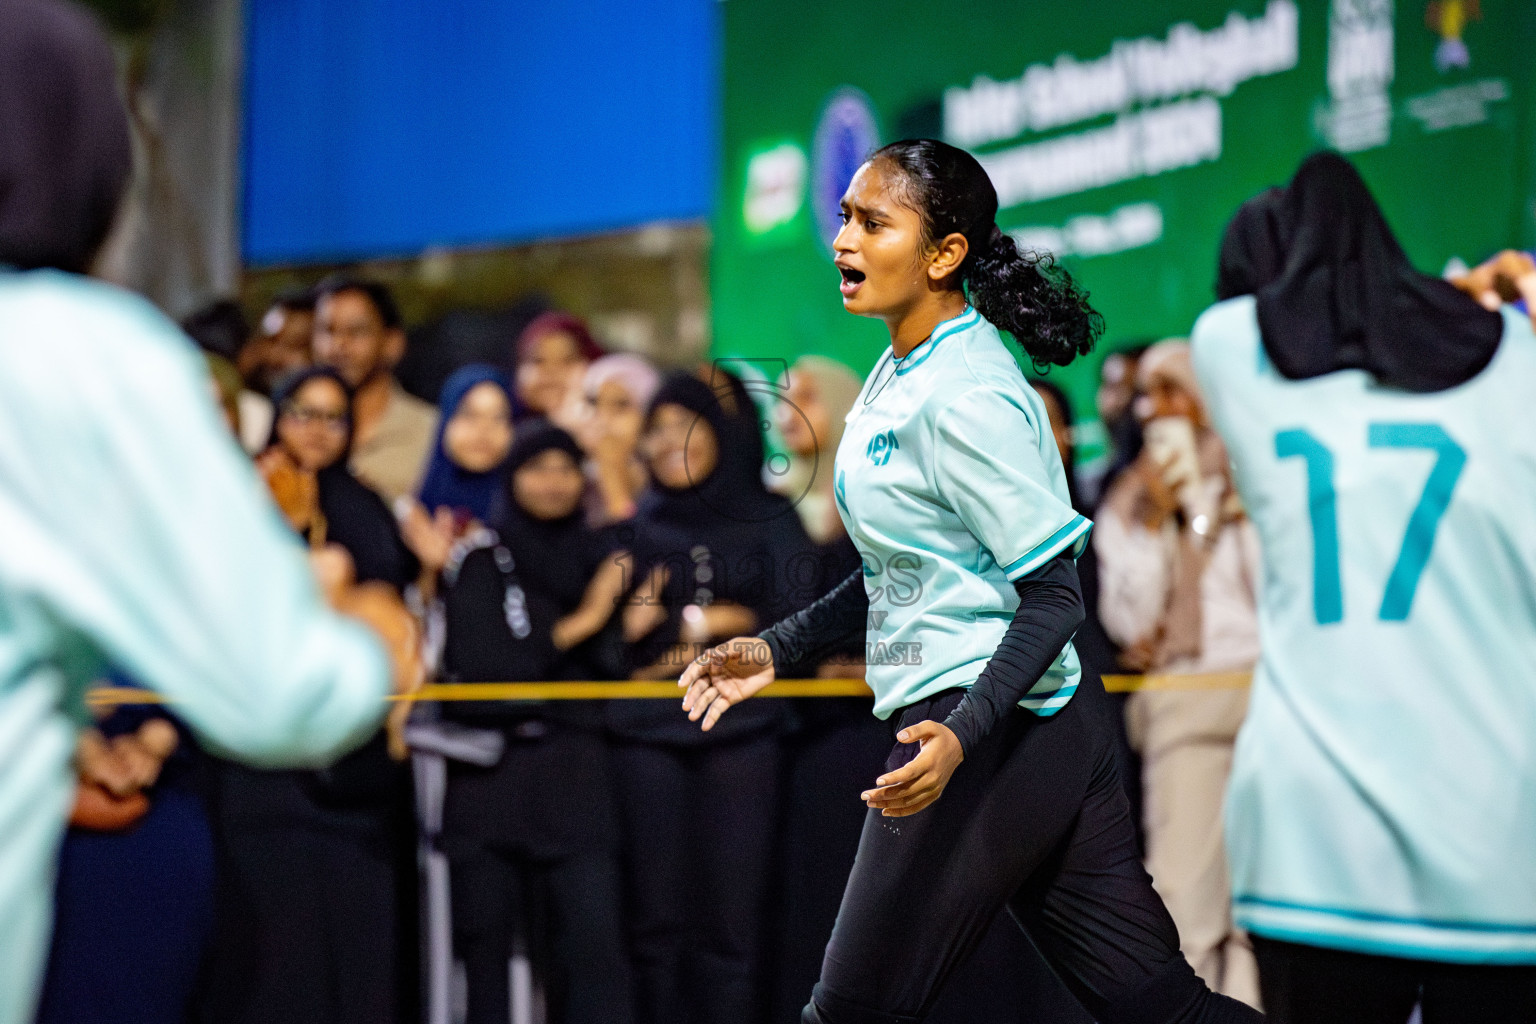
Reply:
x=968, y=318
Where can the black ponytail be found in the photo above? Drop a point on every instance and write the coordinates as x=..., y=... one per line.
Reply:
x=1027, y=295
x=1023, y=293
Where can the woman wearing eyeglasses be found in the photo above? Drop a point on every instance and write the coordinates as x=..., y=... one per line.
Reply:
x=311, y=438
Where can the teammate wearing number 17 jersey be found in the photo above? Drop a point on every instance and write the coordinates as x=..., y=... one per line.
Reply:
x=1001, y=790
x=1381, y=818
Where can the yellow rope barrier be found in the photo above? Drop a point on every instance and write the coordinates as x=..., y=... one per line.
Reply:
x=621, y=689
x=615, y=689
x=118, y=696
x=1175, y=681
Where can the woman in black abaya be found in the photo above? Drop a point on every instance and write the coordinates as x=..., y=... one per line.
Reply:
x=316, y=896
x=718, y=554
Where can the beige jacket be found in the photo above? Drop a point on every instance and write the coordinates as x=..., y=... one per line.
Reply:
x=394, y=458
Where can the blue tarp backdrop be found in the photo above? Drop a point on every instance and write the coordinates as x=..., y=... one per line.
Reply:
x=381, y=127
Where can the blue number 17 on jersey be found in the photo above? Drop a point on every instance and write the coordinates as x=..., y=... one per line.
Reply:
x=1322, y=503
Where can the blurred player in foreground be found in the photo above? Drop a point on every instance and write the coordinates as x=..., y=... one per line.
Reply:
x=136, y=534
x=1381, y=820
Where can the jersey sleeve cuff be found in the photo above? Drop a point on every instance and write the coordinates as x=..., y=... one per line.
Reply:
x=1073, y=536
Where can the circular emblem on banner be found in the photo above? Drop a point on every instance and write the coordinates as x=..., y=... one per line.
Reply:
x=846, y=134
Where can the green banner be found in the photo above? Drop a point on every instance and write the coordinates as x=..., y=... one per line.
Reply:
x=1121, y=136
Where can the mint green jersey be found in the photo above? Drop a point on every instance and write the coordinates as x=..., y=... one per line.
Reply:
x=1383, y=794
x=950, y=485
x=137, y=534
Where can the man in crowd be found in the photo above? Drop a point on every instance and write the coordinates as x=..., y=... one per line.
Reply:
x=358, y=331
x=282, y=342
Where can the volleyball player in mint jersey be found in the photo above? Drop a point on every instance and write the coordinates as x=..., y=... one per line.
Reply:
x=1001, y=789
x=1381, y=816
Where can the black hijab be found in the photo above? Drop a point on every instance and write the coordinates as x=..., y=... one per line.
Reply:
x=64, y=149
x=555, y=557
x=1347, y=297
x=753, y=538
x=355, y=516
x=722, y=537
x=1251, y=254
x=734, y=490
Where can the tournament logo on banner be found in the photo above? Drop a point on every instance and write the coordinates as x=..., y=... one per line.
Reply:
x=846, y=134
x=1448, y=19
x=1361, y=67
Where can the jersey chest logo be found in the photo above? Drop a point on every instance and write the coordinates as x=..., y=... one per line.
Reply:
x=881, y=446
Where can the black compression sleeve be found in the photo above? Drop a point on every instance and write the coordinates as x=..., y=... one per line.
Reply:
x=821, y=626
x=1050, y=610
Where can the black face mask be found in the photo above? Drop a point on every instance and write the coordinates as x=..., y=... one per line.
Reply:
x=1347, y=298
x=64, y=147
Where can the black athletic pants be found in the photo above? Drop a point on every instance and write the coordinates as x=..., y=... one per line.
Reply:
x=1309, y=985
x=533, y=847
x=1035, y=819
x=700, y=824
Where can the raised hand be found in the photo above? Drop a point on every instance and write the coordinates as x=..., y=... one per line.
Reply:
x=296, y=490
x=334, y=569
x=430, y=536
x=1505, y=277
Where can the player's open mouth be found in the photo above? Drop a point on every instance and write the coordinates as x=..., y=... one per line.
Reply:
x=851, y=280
